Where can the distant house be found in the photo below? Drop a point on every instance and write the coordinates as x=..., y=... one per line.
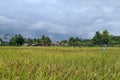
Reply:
x=25, y=44
x=37, y=44
x=55, y=44
x=59, y=44
x=64, y=44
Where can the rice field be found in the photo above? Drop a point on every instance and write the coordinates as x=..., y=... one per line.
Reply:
x=59, y=63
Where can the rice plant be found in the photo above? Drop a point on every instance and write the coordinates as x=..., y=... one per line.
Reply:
x=59, y=63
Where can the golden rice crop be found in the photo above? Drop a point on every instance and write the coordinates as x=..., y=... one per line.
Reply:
x=59, y=63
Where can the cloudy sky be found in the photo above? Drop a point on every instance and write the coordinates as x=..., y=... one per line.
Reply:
x=59, y=19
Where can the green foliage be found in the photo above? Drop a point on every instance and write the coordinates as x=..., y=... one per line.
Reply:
x=87, y=43
x=1, y=41
x=105, y=37
x=74, y=41
x=17, y=40
x=101, y=39
x=46, y=41
x=29, y=41
x=64, y=41
x=71, y=41
x=97, y=38
x=115, y=40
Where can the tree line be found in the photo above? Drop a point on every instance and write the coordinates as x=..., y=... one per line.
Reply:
x=99, y=39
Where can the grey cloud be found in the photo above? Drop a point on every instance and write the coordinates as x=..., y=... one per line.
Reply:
x=51, y=28
x=5, y=20
x=60, y=17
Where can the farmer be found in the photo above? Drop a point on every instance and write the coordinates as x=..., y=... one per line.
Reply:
x=104, y=48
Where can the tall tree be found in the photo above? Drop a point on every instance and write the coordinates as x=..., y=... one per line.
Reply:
x=74, y=41
x=1, y=41
x=48, y=40
x=97, y=38
x=105, y=37
x=115, y=40
x=45, y=40
x=17, y=40
x=71, y=41
x=29, y=41
x=64, y=41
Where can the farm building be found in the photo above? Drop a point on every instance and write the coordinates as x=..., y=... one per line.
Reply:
x=37, y=44
x=55, y=44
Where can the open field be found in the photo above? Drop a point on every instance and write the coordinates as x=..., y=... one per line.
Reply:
x=59, y=63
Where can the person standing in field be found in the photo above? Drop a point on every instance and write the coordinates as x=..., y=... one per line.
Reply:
x=105, y=48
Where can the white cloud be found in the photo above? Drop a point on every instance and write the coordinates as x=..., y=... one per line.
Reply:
x=51, y=27
x=4, y=19
x=73, y=17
